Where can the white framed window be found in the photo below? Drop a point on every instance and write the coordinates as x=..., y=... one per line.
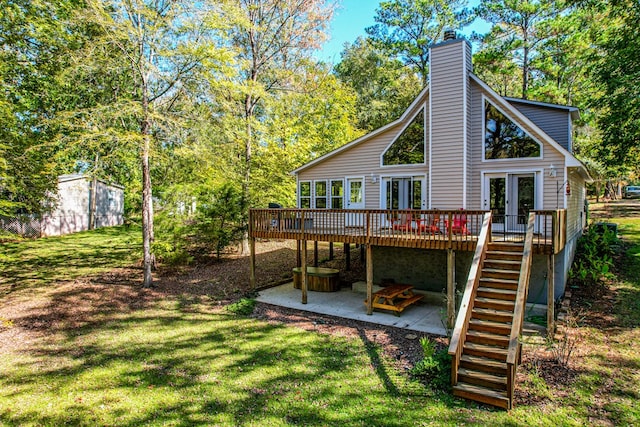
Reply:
x=409, y=147
x=304, y=194
x=320, y=194
x=504, y=139
x=337, y=194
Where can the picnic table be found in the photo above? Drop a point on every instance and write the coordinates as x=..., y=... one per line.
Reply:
x=395, y=298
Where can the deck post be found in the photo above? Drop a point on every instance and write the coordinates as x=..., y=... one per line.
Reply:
x=551, y=327
x=347, y=256
x=252, y=262
x=451, y=287
x=330, y=251
x=315, y=253
x=298, y=256
x=303, y=272
x=369, y=262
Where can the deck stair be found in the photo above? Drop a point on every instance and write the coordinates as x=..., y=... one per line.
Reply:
x=482, y=374
x=485, y=343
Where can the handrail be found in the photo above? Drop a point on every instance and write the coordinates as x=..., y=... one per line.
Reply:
x=466, y=305
x=513, y=351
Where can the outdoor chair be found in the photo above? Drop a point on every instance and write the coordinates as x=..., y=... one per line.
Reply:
x=458, y=224
x=431, y=227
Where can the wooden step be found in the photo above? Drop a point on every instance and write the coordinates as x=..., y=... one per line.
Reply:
x=501, y=274
x=498, y=328
x=503, y=294
x=482, y=350
x=487, y=338
x=492, y=315
x=503, y=264
x=496, y=304
x=505, y=247
x=492, y=282
x=482, y=394
x=483, y=364
x=484, y=379
x=505, y=255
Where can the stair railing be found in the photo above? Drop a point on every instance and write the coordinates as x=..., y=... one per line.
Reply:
x=466, y=304
x=515, y=345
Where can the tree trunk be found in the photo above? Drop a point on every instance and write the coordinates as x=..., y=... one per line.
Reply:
x=247, y=173
x=147, y=201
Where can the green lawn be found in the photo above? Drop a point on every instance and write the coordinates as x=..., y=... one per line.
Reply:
x=128, y=357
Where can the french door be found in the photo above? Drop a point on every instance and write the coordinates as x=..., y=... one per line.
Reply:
x=404, y=192
x=509, y=197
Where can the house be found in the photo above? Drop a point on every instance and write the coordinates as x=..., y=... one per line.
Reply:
x=467, y=191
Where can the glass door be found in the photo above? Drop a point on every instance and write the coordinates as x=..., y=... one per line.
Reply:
x=495, y=199
x=355, y=200
x=510, y=198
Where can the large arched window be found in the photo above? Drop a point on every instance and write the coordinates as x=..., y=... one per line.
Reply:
x=408, y=148
x=503, y=139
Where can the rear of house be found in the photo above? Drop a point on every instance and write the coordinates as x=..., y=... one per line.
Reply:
x=459, y=145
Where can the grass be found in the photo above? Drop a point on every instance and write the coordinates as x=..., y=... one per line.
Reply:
x=169, y=363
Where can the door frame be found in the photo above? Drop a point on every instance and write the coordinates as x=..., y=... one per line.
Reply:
x=383, y=191
x=354, y=220
x=538, y=174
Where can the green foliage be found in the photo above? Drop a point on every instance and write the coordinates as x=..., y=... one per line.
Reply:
x=594, y=255
x=435, y=366
x=405, y=29
x=244, y=307
x=172, y=240
x=383, y=85
x=617, y=74
x=218, y=222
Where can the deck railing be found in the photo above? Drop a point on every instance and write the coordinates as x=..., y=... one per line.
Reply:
x=515, y=345
x=433, y=229
x=428, y=229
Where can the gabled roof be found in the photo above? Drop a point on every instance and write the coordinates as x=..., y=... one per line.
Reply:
x=570, y=160
x=405, y=116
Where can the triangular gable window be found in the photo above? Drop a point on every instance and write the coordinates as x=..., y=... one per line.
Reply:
x=503, y=139
x=408, y=148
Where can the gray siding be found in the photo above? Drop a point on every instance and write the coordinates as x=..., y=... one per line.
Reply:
x=449, y=85
x=554, y=122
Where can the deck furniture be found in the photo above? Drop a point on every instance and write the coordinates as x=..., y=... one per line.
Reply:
x=319, y=279
x=395, y=298
x=429, y=227
x=458, y=224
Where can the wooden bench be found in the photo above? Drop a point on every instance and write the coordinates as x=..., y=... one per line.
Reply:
x=395, y=298
x=318, y=279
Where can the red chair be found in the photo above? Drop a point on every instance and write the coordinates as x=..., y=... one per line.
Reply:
x=432, y=228
x=458, y=225
x=402, y=222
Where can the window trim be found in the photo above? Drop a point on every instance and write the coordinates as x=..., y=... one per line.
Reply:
x=407, y=124
x=312, y=193
x=485, y=100
x=332, y=197
x=383, y=194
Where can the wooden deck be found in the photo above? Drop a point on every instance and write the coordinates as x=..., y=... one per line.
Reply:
x=427, y=229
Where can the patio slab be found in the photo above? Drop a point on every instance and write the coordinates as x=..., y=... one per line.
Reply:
x=421, y=317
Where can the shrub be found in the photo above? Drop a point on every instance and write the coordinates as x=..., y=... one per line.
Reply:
x=435, y=366
x=594, y=255
x=244, y=307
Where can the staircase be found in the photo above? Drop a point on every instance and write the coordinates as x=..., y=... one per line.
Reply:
x=482, y=372
x=485, y=345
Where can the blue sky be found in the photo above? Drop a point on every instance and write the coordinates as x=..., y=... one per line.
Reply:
x=353, y=16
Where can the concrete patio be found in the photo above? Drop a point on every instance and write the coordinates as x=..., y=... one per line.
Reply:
x=424, y=316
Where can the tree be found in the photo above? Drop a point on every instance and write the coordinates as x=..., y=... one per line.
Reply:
x=158, y=47
x=518, y=28
x=384, y=86
x=33, y=45
x=274, y=38
x=406, y=28
x=617, y=72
